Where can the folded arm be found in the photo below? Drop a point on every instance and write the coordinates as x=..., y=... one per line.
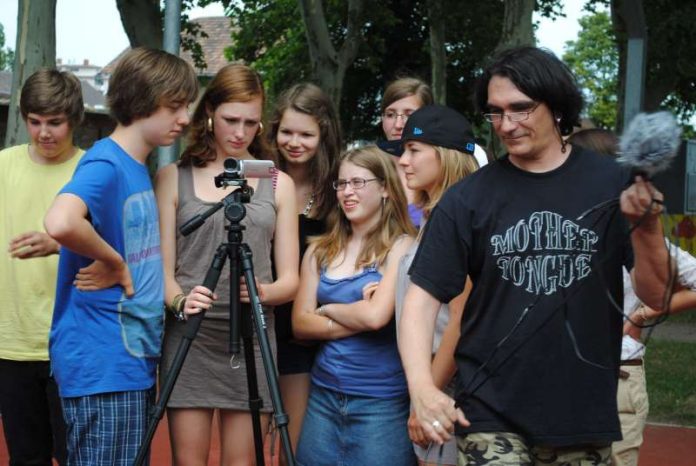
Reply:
x=375, y=313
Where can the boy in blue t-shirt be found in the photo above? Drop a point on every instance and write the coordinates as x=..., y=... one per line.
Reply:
x=107, y=324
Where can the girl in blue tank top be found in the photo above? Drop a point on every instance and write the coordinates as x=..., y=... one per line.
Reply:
x=358, y=405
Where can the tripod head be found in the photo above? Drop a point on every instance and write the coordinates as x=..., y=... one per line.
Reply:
x=235, y=174
x=233, y=204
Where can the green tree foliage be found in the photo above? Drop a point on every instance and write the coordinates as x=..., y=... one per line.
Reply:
x=594, y=59
x=270, y=37
x=6, y=54
x=670, y=76
x=671, y=71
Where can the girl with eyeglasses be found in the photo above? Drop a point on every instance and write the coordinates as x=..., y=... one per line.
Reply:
x=226, y=123
x=358, y=404
x=401, y=98
x=305, y=135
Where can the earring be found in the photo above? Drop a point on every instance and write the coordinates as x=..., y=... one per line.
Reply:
x=260, y=128
x=209, y=125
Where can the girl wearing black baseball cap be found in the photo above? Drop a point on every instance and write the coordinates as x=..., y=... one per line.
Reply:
x=438, y=152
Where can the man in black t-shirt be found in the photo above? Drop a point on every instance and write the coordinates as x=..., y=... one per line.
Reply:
x=538, y=356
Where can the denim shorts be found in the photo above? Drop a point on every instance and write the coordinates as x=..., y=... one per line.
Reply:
x=350, y=430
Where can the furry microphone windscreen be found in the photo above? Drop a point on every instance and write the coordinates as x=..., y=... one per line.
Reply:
x=650, y=143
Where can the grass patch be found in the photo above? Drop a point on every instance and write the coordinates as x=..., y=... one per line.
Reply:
x=669, y=367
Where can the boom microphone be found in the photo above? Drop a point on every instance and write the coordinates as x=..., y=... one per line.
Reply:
x=650, y=143
x=648, y=146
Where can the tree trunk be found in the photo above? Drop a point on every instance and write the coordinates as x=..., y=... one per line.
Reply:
x=35, y=48
x=142, y=22
x=517, y=25
x=438, y=54
x=328, y=65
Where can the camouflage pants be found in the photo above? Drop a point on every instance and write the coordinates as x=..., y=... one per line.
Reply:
x=508, y=449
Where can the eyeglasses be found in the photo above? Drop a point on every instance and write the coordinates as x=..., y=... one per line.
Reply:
x=393, y=116
x=511, y=116
x=355, y=183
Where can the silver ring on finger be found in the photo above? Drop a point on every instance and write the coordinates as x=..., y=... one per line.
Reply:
x=436, y=424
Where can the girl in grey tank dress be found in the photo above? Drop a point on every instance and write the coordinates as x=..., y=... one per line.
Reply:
x=226, y=123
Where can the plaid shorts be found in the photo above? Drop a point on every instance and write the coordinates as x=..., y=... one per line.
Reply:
x=508, y=449
x=106, y=429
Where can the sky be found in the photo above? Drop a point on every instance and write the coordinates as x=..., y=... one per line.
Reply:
x=92, y=30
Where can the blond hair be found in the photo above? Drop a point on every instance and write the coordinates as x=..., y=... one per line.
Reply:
x=454, y=165
x=394, y=221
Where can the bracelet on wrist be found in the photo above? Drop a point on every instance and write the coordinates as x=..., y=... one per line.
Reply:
x=177, y=307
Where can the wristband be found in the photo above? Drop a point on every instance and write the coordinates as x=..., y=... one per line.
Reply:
x=177, y=307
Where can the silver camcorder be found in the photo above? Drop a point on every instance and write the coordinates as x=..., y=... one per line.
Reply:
x=238, y=170
x=249, y=168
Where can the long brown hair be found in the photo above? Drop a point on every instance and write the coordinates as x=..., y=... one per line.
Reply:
x=310, y=100
x=394, y=223
x=599, y=140
x=233, y=83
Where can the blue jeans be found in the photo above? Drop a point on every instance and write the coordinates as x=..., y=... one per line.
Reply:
x=350, y=430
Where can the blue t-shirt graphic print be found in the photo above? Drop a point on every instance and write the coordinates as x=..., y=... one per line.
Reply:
x=141, y=315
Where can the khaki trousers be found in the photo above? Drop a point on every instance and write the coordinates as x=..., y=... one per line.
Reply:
x=632, y=397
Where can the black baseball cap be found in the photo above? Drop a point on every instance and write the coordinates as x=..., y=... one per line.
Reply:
x=442, y=126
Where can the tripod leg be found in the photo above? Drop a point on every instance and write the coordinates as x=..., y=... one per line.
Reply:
x=281, y=418
x=255, y=401
x=192, y=327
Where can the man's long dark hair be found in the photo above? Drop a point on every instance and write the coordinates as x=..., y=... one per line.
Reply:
x=540, y=75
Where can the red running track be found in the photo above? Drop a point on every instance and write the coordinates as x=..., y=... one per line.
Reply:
x=663, y=446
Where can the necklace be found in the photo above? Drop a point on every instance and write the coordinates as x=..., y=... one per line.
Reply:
x=308, y=206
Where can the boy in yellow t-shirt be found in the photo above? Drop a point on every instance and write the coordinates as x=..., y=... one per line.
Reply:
x=30, y=177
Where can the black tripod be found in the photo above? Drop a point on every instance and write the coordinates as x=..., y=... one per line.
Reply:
x=240, y=262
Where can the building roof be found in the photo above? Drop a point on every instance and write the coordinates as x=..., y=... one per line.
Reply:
x=92, y=98
x=219, y=31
